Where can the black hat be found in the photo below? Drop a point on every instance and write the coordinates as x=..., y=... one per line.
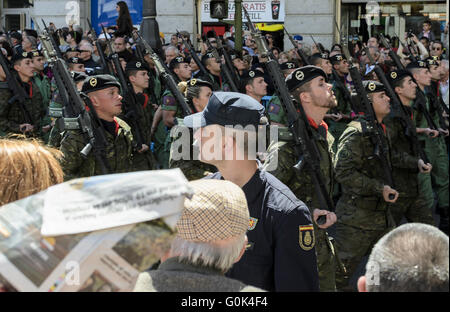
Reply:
x=136, y=65
x=19, y=56
x=126, y=55
x=74, y=60
x=432, y=61
x=335, y=59
x=288, y=65
x=234, y=55
x=228, y=109
x=372, y=86
x=99, y=82
x=78, y=76
x=36, y=53
x=324, y=56
x=199, y=82
x=302, y=75
x=207, y=56
x=398, y=75
x=175, y=61
x=417, y=64
x=251, y=74
x=72, y=49
x=16, y=35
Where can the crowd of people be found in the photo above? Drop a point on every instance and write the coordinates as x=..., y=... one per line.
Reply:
x=262, y=230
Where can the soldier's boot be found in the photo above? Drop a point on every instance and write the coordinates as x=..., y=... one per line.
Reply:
x=444, y=220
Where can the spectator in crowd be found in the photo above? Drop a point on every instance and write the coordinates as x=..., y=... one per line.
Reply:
x=29, y=43
x=426, y=43
x=414, y=257
x=426, y=31
x=171, y=52
x=26, y=167
x=16, y=39
x=124, y=23
x=210, y=239
x=437, y=48
x=443, y=83
x=72, y=39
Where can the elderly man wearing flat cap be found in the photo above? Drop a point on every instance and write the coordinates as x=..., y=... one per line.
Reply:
x=104, y=93
x=274, y=259
x=309, y=86
x=26, y=118
x=210, y=238
x=363, y=210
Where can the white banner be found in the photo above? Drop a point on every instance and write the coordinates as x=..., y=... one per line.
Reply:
x=267, y=11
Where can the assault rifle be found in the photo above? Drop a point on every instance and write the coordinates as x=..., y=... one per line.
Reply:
x=299, y=51
x=165, y=76
x=75, y=103
x=408, y=125
x=193, y=54
x=52, y=39
x=305, y=146
x=374, y=129
x=101, y=53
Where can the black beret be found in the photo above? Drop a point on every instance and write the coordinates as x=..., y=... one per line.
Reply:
x=136, y=65
x=251, y=74
x=432, y=61
x=302, y=75
x=199, y=82
x=207, y=56
x=99, y=82
x=234, y=55
x=16, y=35
x=78, y=76
x=397, y=75
x=177, y=60
x=417, y=64
x=36, y=53
x=19, y=56
x=324, y=56
x=372, y=86
x=337, y=58
x=288, y=65
x=74, y=60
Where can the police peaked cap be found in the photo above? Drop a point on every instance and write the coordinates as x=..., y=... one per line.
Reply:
x=20, y=56
x=302, y=75
x=99, y=82
x=398, y=75
x=337, y=58
x=288, y=65
x=251, y=74
x=199, y=83
x=372, y=86
x=136, y=65
x=417, y=64
x=177, y=60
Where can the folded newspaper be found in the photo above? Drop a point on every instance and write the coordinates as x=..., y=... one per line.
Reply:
x=90, y=234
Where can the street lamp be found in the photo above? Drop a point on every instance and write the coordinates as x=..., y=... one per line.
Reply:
x=149, y=26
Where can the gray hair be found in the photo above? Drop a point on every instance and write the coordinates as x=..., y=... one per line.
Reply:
x=206, y=254
x=88, y=45
x=413, y=257
x=33, y=41
x=173, y=48
x=445, y=64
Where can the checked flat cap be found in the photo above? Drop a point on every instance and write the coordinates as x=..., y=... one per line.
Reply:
x=217, y=211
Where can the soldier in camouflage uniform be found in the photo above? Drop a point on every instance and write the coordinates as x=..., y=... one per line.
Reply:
x=363, y=211
x=406, y=161
x=433, y=142
x=25, y=119
x=103, y=90
x=301, y=84
x=137, y=74
x=197, y=93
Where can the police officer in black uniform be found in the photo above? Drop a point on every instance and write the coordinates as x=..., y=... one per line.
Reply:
x=275, y=259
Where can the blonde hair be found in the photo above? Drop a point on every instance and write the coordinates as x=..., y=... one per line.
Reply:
x=26, y=167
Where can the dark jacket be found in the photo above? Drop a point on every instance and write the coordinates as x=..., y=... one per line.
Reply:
x=125, y=27
x=175, y=276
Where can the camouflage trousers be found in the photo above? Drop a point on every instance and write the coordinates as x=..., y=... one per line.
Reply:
x=143, y=161
x=436, y=151
x=353, y=245
x=414, y=209
x=326, y=260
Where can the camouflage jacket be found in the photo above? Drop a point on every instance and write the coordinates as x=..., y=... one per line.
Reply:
x=404, y=155
x=360, y=174
x=144, y=116
x=118, y=154
x=192, y=169
x=12, y=116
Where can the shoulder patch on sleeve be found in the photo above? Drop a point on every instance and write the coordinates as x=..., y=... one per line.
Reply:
x=306, y=237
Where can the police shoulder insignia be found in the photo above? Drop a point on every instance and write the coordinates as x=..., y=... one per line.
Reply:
x=252, y=223
x=93, y=82
x=306, y=237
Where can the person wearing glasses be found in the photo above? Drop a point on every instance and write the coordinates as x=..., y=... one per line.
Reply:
x=437, y=48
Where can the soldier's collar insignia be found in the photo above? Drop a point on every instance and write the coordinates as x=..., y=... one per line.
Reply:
x=252, y=223
x=93, y=82
x=394, y=75
x=372, y=86
x=138, y=64
x=251, y=74
x=306, y=237
x=193, y=82
x=299, y=75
